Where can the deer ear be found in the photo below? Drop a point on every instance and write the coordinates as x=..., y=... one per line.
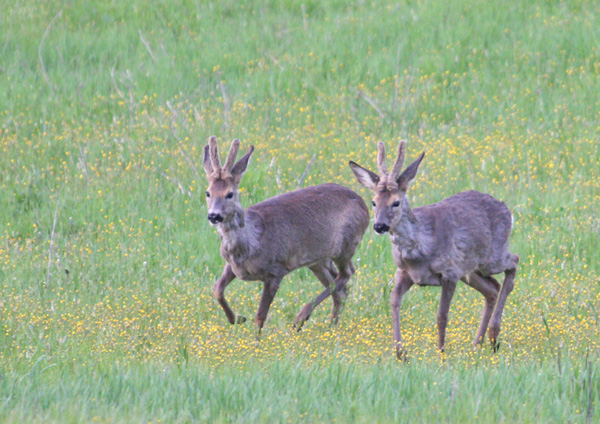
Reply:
x=365, y=177
x=239, y=168
x=409, y=173
x=208, y=168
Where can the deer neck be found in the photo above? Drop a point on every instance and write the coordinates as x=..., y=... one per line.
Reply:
x=408, y=235
x=238, y=237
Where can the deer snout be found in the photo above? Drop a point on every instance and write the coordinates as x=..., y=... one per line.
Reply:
x=215, y=218
x=381, y=228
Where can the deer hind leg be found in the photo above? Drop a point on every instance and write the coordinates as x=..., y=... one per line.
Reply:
x=219, y=292
x=270, y=288
x=326, y=273
x=448, y=287
x=339, y=294
x=489, y=288
x=403, y=283
x=507, y=286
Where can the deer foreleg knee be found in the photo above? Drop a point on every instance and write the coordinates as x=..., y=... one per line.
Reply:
x=395, y=300
x=218, y=291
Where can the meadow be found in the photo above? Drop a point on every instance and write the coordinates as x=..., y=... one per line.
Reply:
x=107, y=260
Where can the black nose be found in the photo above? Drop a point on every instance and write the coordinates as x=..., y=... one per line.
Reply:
x=215, y=218
x=381, y=228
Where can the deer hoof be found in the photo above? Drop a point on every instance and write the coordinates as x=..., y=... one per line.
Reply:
x=302, y=316
x=240, y=319
x=402, y=355
x=495, y=345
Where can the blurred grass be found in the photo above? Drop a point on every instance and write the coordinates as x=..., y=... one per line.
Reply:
x=300, y=392
x=502, y=99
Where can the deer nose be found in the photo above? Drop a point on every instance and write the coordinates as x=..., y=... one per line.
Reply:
x=215, y=218
x=381, y=228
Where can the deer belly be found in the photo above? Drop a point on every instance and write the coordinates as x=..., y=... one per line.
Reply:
x=243, y=272
x=250, y=270
x=424, y=278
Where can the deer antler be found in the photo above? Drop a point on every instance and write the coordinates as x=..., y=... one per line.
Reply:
x=399, y=162
x=233, y=151
x=214, y=153
x=381, y=159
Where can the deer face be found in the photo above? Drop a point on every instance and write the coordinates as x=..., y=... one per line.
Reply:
x=387, y=207
x=223, y=181
x=222, y=200
x=390, y=201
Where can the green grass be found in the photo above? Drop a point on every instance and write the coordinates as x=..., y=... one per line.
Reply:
x=102, y=105
x=297, y=392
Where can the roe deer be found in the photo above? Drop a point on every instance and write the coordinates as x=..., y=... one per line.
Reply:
x=314, y=227
x=464, y=237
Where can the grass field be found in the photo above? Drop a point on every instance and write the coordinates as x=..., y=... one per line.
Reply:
x=107, y=259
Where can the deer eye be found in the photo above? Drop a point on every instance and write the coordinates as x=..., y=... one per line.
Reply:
x=229, y=195
x=374, y=204
x=396, y=204
x=207, y=194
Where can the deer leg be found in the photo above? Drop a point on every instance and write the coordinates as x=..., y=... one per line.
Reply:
x=507, y=286
x=403, y=283
x=346, y=270
x=489, y=288
x=219, y=292
x=448, y=287
x=326, y=274
x=270, y=287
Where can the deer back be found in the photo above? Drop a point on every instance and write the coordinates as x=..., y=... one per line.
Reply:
x=305, y=226
x=464, y=233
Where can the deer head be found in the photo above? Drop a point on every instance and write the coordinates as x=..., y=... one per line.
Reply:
x=390, y=203
x=222, y=195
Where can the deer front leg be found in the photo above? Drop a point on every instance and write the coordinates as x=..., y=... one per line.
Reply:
x=270, y=287
x=403, y=283
x=448, y=287
x=219, y=292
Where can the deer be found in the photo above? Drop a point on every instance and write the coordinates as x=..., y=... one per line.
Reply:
x=316, y=227
x=463, y=237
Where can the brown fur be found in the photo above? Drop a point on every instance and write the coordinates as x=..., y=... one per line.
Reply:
x=316, y=227
x=464, y=237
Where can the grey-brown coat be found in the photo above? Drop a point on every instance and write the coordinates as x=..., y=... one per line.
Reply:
x=316, y=227
x=464, y=237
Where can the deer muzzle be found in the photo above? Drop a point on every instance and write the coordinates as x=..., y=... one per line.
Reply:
x=381, y=228
x=215, y=218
